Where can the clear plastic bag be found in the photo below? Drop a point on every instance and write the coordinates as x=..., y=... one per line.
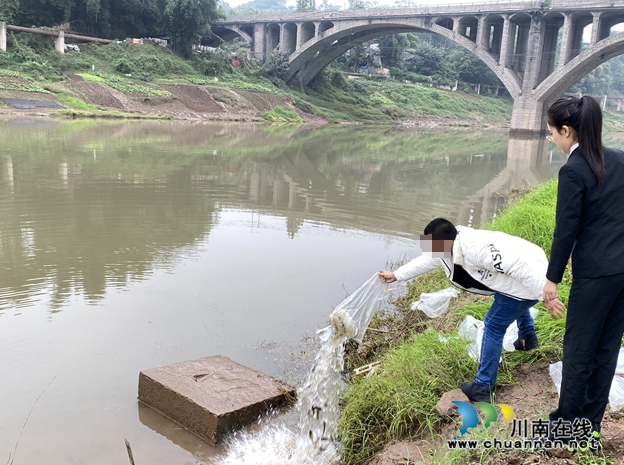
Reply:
x=616, y=394
x=620, y=363
x=436, y=303
x=352, y=317
x=471, y=329
x=556, y=374
x=512, y=332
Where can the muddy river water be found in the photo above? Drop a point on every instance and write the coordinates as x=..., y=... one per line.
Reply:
x=127, y=246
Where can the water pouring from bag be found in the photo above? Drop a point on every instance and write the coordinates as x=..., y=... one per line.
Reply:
x=318, y=398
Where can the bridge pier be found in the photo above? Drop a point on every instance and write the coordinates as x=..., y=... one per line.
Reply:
x=258, y=42
x=59, y=42
x=528, y=117
x=3, y=36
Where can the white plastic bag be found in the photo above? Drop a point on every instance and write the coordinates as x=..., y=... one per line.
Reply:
x=512, y=332
x=471, y=329
x=436, y=303
x=556, y=374
x=352, y=317
x=616, y=394
x=620, y=363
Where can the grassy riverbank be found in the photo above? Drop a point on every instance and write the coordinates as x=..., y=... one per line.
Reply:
x=106, y=78
x=422, y=358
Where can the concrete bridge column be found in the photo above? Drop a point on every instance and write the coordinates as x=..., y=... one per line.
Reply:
x=317, y=28
x=59, y=42
x=258, y=42
x=483, y=34
x=282, y=39
x=534, y=54
x=300, y=40
x=3, y=35
x=528, y=114
x=288, y=38
x=521, y=48
x=547, y=65
x=474, y=32
x=596, y=26
x=566, y=40
x=456, y=25
x=497, y=40
x=528, y=117
x=507, y=43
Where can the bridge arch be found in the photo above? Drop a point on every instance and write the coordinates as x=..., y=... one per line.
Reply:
x=226, y=33
x=589, y=59
x=308, y=60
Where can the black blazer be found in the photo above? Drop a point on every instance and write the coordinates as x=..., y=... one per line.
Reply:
x=590, y=219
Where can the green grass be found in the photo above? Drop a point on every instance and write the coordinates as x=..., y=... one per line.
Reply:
x=330, y=95
x=10, y=80
x=398, y=402
x=223, y=95
x=281, y=114
x=141, y=91
x=90, y=77
x=532, y=217
x=76, y=102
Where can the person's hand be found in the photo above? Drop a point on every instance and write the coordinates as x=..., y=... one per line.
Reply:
x=386, y=276
x=550, y=291
x=555, y=307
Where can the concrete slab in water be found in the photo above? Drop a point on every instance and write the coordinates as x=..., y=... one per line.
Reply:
x=211, y=396
x=30, y=104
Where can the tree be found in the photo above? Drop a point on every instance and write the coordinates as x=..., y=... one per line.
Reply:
x=277, y=64
x=186, y=19
x=392, y=48
x=326, y=6
x=9, y=10
x=431, y=61
x=598, y=82
x=262, y=5
x=470, y=68
x=357, y=5
x=306, y=5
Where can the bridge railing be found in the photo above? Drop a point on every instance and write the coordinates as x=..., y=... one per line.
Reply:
x=449, y=8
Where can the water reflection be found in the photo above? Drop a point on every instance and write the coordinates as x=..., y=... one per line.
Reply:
x=201, y=239
x=176, y=434
x=91, y=205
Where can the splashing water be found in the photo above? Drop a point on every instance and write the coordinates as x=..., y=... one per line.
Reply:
x=316, y=443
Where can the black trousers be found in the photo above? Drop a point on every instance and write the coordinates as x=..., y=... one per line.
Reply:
x=593, y=335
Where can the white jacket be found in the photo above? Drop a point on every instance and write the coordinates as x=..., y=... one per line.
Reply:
x=505, y=264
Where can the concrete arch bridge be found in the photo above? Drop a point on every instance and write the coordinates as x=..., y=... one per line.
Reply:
x=516, y=40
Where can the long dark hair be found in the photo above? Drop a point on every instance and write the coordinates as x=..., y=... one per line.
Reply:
x=585, y=116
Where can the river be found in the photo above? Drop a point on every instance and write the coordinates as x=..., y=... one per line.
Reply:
x=132, y=245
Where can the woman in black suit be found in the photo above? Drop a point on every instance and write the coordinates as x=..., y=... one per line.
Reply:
x=590, y=226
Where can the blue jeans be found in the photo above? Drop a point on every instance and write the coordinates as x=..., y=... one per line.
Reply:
x=503, y=312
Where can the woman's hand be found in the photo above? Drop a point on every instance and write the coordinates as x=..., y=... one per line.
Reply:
x=555, y=307
x=550, y=291
x=386, y=276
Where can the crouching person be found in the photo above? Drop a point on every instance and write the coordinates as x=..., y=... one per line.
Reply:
x=487, y=263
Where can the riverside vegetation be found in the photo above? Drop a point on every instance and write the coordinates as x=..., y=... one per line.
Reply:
x=422, y=358
x=31, y=65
